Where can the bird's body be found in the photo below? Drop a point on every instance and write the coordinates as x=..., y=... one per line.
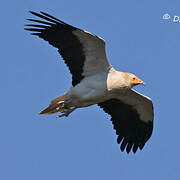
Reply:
x=95, y=81
x=95, y=89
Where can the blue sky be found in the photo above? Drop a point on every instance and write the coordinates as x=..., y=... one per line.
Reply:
x=83, y=146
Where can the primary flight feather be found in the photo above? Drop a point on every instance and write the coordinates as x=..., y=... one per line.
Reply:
x=95, y=81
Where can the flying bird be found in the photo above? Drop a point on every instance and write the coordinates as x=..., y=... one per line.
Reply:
x=95, y=81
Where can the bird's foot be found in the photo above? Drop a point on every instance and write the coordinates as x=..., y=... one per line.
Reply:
x=66, y=112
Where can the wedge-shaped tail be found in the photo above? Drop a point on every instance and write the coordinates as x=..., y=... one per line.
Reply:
x=56, y=105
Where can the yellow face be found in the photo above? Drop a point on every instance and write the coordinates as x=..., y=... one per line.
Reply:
x=135, y=81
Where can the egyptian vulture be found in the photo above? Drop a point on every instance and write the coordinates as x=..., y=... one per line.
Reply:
x=95, y=81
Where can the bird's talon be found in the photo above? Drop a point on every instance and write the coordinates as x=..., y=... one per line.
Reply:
x=61, y=115
x=66, y=112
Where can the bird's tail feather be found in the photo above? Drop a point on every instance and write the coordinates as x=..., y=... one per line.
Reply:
x=56, y=105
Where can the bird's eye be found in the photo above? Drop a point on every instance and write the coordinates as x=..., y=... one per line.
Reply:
x=134, y=79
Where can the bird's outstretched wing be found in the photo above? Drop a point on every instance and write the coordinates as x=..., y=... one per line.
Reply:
x=83, y=52
x=132, y=116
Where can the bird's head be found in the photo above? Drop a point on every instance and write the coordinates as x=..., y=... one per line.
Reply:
x=134, y=80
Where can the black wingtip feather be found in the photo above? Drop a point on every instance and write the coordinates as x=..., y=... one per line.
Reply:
x=43, y=17
x=119, y=139
x=39, y=21
x=36, y=25
x=32, y=12
x=129, y=146
x=32, y=29
x=36, y=34
x=135, y=147
x=141, y=146
x=123, y=145
x=46, y=14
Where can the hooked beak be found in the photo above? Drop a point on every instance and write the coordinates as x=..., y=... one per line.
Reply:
x=142, y=82
x=137, y=81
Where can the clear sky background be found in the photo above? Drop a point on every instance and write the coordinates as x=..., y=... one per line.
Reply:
x=83, y=146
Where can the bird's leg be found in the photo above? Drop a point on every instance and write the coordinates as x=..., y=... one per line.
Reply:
x=67, y=112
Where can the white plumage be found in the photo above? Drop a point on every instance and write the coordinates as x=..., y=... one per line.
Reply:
x=95, y=81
